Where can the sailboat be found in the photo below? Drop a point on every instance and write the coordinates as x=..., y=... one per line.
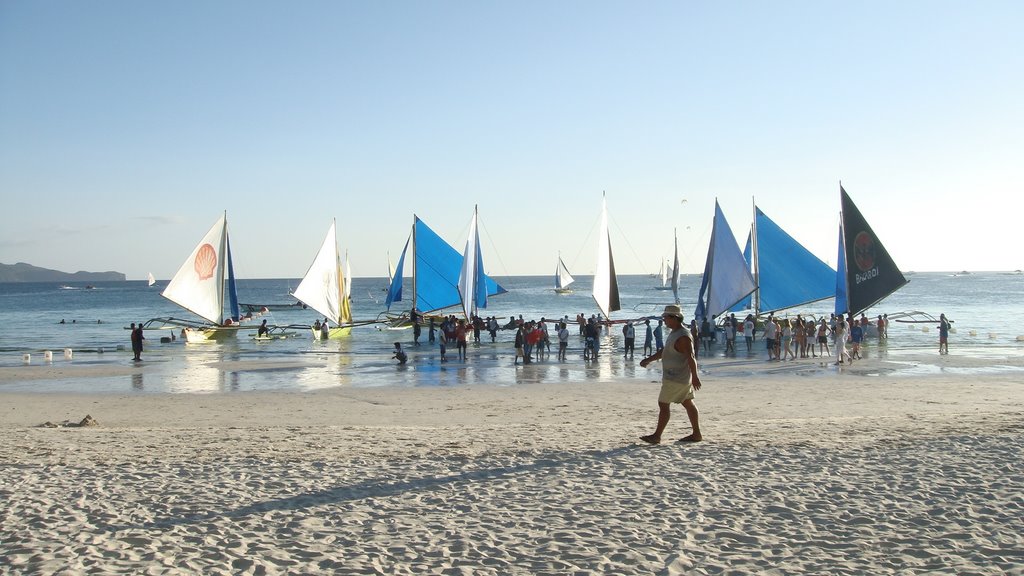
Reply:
x=606, y=286
x=323, y=288
x=201, y=285
x=786, y=274
x=562, y=278
x=873, y=275
x=437, y=273
x=727, y=278
x=664, y=272
x=472, y=284
x=391, y=272
x=150, y=280
x=670, y=273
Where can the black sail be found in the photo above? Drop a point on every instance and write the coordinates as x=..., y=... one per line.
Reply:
x=871, y=275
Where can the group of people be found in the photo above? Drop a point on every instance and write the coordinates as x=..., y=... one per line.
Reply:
x=792, y=338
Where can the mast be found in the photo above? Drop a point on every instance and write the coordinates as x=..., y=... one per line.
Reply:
x=415, y=219
x=756, y=269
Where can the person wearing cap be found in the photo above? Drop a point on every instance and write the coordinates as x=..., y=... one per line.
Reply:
x=679, y=376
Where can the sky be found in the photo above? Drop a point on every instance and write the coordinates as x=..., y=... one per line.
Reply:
x=127, y=128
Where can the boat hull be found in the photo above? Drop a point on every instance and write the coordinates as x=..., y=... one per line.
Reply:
x=206, y=335
x=333, y=334
x=563, y=290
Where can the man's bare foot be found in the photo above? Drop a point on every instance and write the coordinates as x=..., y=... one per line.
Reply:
x=692, y=438
x=651, y=439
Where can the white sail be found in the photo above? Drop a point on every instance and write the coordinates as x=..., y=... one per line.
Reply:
x=322, y=288
x=675, y=266
x=606, y=288
x=471, y=275
x=150, y=279
x=198, y=285
x=391, y=269
x=664, y=273
x=562, y=277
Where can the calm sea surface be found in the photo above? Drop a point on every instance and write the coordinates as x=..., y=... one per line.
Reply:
x=987, y=309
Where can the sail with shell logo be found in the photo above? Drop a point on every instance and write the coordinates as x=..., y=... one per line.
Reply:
x=206, y=278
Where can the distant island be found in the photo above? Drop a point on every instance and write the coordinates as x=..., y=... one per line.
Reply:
x=22, y=272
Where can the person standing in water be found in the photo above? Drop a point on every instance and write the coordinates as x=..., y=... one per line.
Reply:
x=137, y=339
x=944, y=334
x=679, y=376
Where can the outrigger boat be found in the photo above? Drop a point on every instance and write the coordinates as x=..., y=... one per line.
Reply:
x=324, y=288
x=441, y=277
x=201, y=286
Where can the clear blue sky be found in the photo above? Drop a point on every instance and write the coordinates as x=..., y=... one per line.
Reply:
x=127, y=127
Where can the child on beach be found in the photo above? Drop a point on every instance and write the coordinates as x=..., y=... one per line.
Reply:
x=399, y=353
x=856, y=336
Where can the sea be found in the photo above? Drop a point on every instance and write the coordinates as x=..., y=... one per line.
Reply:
x=83, y=325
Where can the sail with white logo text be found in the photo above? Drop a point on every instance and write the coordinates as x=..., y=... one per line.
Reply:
x=866, y=273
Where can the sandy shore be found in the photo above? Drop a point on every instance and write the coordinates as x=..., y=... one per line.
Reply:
x=812, y=472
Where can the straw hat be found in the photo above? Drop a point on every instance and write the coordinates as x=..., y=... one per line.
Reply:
x=673, y=310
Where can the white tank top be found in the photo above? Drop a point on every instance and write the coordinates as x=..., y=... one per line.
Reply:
x=675, y=365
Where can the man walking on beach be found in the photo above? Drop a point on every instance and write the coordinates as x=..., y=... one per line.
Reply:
x=679, y=376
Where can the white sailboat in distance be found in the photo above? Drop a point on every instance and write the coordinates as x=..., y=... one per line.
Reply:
x=563, y=279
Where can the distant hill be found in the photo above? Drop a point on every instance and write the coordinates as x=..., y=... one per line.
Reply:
x=22, y=272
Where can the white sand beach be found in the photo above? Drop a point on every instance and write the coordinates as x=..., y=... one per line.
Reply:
x=849, y=471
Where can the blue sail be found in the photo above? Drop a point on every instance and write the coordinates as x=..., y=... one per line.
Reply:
x=395, y=289
x=788, y=275
x=727, y=279
x=235, y=310
x=436, y=267
x=748, y=302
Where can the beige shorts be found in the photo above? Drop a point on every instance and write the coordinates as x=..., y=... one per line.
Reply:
x=672, y=392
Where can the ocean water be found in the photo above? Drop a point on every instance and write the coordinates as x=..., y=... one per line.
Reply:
x=987, y=309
